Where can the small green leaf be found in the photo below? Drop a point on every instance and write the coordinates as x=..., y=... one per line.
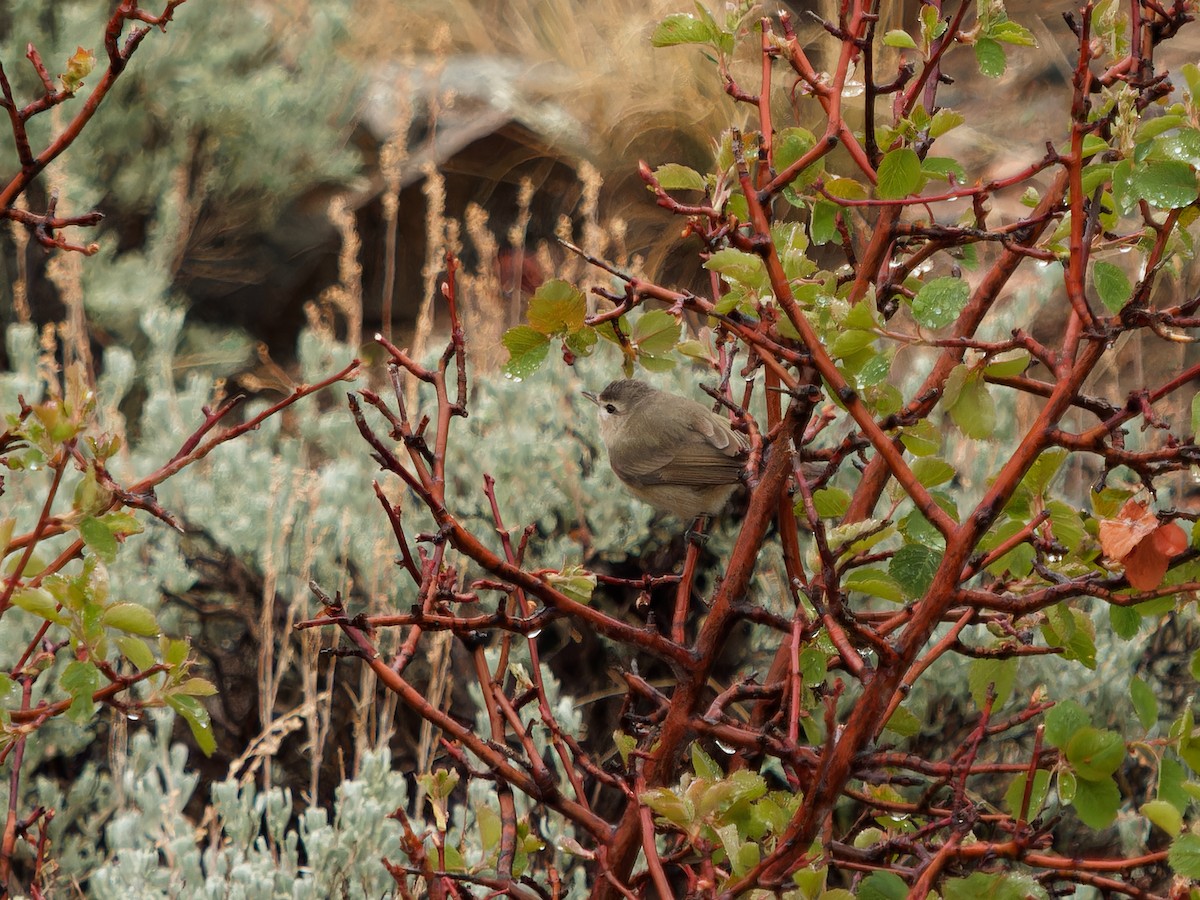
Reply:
x=939, y=301
x=681, y=28
x=1016, y=793
x=674, y=177
x=994, y=886
x=831, y=503
x=136, y=651
x=790, y=145
x=1066, y=786
x=1164, y=815
x=1145, y=704
x=704, y=765
x=991, y=58
x=1195, y=415
x=41, y=603
x=874, y=583
x=625, y=744
x=822, y=226
x=1184, y=856
x=913, y=566
x=739, y=266
x=1125, y=622
x=944, y=120
x=903, y=723
x=900, y=39
x=655, y=332
x=899, y=174
x=932, y=471
x=527, y=350
x=556, y=307
x=882, y=886
x=1064, y=719
x=193, y=712
x=81, y=680
x=575, y=582
x=131, y=617
x=1097, y=802
x=973, y=410
x=1001, y=674
x=197, y=687
x=1095, y=754
x=98, y=538
x=922, y=439
x=1011, y=32
x=1112, y=285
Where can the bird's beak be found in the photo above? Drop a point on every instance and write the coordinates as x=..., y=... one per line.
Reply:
x=591, y=397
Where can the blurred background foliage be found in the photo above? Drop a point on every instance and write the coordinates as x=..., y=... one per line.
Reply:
x=276, y=178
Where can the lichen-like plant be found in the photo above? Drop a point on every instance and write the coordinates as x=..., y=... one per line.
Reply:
x=895, y=559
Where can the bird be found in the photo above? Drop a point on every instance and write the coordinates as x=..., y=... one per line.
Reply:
x=669, y=451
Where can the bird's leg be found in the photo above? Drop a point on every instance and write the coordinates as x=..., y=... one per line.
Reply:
x=696, y=538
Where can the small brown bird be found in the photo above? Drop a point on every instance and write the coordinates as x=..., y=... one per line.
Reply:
x=669, y=451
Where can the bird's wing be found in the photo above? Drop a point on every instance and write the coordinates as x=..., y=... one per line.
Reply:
x=707, y=453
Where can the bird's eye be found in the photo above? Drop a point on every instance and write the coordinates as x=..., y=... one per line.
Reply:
x=609, y=408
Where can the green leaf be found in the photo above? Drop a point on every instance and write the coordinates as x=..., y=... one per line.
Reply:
x=704, y=765
x=831, y=503
x=1066, y=786
x=681, y=28
x=1095, y=754
x=1125, y=622
x=944, y=120
x=903, y=723
x=899, y=174
x=1112, y=285
x=527, y=350
x=80, y=679
x=556, y=307
x=1195, y=414
x=932, y=471
x=874, y=583
x=939, y=301
x=1011, y=32
x=790, y=145
x=1164, y=815
x=1062, y=721
x=131, y=617
x=1167, y=184
x=1097, y=803
x=740, y=267
x=882, y=886
x=921, y=439
x=1001, y=673
x=40, y=602
x=655, y=332
x=674, y=177
x=901, y=39
x=1182, y=145
x=136, y=651
x=98, y=538
x=941, y=168
x=574, y=581
x=822, y=226
x=193, y=712
x=991, y=58
x=993, y=886
x=676, y=810
x=913, y=566
x=197, y=687
x=1145, y=704
x=1016, y=793
x=1184, y=856
x=973, y=410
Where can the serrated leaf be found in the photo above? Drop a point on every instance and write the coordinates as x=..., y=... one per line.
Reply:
x=899, y=174
x=575, y=582
x=921, y=439
x=1184, y=856
x=990, y=57
x=845, y=189
x=913, y=566
x=527, y=350
x=822, y=227
x=1097, y=802
x=1011, y=32
x=99, y=539
x=556, y=307
x=974, y=410
x=675, y=177
x=80, y=679
x=932, y=471
x=790, y=145
x=655, y=332
x=874, y=583
x=131, y=617
x=1001, y=673
x=666, y=804
x=197, y=687
x=1112, y=285
x=941, y=168
x=831, y=503
x=740, y=267
x=681, y=28
x=939, y=302
x=1165, y=183
x=1125, y=622
x=704, y=765
x=943, y=120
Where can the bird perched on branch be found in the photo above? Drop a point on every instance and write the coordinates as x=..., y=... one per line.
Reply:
x=669, y=451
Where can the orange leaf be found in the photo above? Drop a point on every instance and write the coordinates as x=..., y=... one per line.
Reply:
x=1145, y=566
x=1170, y=539
x=1119, y=536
